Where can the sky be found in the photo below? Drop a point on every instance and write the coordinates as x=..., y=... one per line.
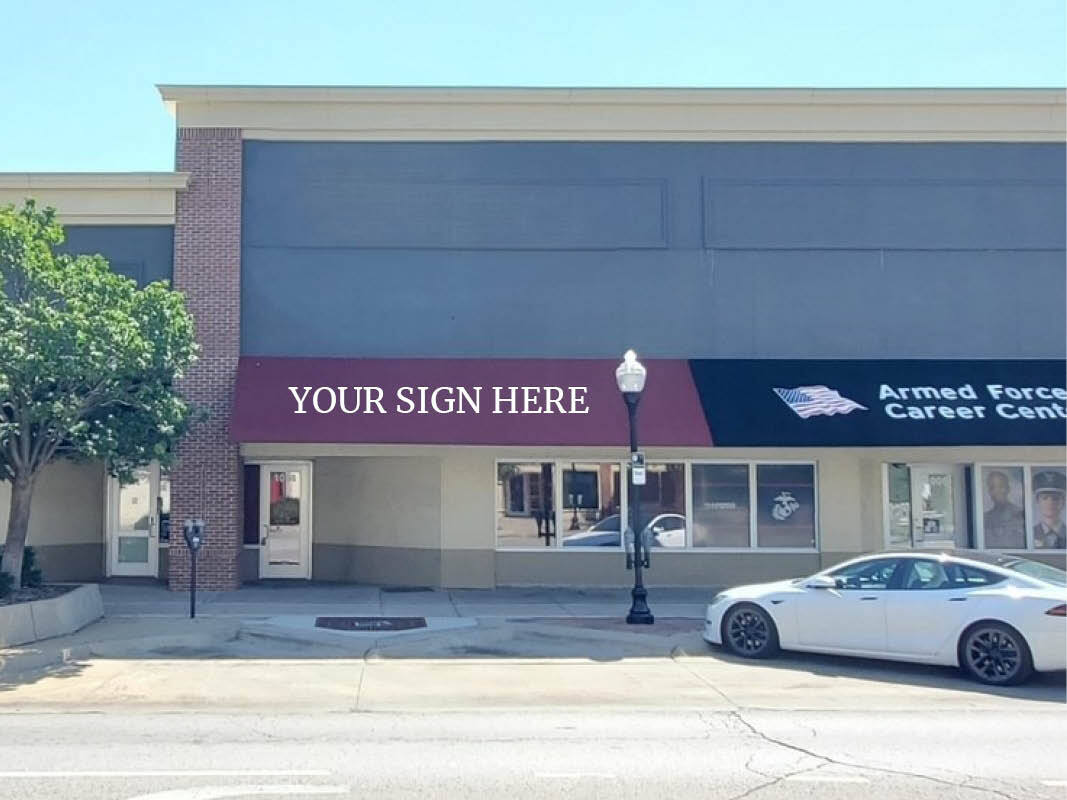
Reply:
x=79, y=90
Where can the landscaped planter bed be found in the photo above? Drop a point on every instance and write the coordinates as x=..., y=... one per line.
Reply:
x=48, y=611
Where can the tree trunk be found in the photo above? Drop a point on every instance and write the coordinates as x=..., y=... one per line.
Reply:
x=18, y=523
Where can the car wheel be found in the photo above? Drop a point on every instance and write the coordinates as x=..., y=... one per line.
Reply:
x=995, y=654
x=749, y=631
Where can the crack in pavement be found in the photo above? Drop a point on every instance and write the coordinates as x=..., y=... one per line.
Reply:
x=736, y=713
x=965, y=784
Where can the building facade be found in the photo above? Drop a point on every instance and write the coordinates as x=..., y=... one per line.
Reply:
x=411, y=303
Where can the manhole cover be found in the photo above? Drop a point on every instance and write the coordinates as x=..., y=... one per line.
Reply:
x=370, y=623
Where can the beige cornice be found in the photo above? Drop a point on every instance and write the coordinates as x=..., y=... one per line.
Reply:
x=452, y=114
x=98, y=198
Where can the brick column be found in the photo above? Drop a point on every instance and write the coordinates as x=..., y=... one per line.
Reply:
x=206, y=481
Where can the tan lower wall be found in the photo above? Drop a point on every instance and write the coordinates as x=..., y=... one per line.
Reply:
x=668, y=569
x=377, y=502
x=67, y=506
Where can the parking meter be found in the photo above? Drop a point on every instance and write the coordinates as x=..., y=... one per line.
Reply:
x=193, y=531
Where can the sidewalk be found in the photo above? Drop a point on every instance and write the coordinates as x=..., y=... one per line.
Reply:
x=311, y=599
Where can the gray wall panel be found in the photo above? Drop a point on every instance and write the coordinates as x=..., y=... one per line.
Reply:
x=549, y=249
x=926, y=214
x=142, y=252
x=471, y=216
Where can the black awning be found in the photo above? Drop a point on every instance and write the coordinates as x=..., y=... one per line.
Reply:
x=821, y=403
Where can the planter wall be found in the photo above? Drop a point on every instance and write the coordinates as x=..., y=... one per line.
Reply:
x=23, y=623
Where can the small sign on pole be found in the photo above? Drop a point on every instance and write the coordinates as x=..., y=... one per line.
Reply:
x=637, y=466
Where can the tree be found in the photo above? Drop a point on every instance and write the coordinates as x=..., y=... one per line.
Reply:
x=88, y=364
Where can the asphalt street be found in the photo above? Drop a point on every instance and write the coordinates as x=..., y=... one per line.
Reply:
x=718, y=754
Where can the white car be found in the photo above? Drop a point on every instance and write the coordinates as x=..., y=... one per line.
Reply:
x=997, y=617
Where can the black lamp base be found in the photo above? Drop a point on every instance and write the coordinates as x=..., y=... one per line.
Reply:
x=639, y=611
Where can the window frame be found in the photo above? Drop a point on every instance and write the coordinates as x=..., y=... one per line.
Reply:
x=624, y=504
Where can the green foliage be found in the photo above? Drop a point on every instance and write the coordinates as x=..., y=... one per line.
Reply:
x=88, y=361
x=32, y=576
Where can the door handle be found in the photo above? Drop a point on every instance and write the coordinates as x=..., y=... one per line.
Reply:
x=957, y=599
x=868, y=598
x=266, y=533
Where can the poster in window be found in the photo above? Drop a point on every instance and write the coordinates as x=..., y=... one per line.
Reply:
x=1003, y=524
x=720, y=505
x=1048, y=486
x=785, y=500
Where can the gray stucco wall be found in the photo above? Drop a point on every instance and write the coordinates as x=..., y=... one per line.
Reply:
x=678, y=249
x=142, y=252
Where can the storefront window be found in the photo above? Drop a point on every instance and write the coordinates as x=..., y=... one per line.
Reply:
x=285, y=498
x=1047, y=487
x=721, y=515
x=1003, y=521
x=785, y=505
x=587, y=508
x=899, y=478
x=592, y=505
x=525, y=504
x=663, y=505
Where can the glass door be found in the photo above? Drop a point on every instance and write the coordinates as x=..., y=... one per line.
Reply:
x=927, y=506
x=134, y=519
x=285, y=538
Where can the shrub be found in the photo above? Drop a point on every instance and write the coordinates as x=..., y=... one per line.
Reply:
x=31, y=573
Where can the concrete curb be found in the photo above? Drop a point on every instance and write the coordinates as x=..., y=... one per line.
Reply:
x=356, y=643
x=15, y=662
x=25, y=623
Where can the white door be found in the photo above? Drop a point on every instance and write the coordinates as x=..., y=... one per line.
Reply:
x=851, y=617
x=135, y=513
x=285, y=525
x=937, y=505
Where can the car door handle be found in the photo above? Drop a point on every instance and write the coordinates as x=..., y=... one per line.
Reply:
x=868, y=598
x=957, y=599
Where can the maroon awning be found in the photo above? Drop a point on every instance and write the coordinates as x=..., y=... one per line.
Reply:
x=333, y=395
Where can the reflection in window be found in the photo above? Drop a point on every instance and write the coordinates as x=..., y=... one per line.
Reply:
x=720, y=505
x=525, y=504
x=592, y=505
x=875, y=574
x=785, y=505
x=899, y=478
x=163, y=505
x=285, y=498
x=134, y=503
x=663, y=505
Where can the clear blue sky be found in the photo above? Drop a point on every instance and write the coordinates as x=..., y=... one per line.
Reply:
x=78, y=89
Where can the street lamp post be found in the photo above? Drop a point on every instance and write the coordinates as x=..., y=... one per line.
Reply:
x=630, y=377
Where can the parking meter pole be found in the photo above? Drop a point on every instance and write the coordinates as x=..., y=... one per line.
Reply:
x=639, y=611
x=193, y=530
x=192, y=584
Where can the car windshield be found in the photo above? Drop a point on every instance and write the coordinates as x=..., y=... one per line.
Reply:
x=1042, y=572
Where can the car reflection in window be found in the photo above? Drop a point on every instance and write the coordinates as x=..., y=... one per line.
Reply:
x=667, y=530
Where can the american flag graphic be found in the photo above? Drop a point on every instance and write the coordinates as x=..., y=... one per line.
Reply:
x=810, y=401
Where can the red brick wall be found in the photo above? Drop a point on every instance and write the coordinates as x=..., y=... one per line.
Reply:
x=206, y=482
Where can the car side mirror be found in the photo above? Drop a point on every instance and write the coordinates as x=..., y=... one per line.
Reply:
x=821, y=582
